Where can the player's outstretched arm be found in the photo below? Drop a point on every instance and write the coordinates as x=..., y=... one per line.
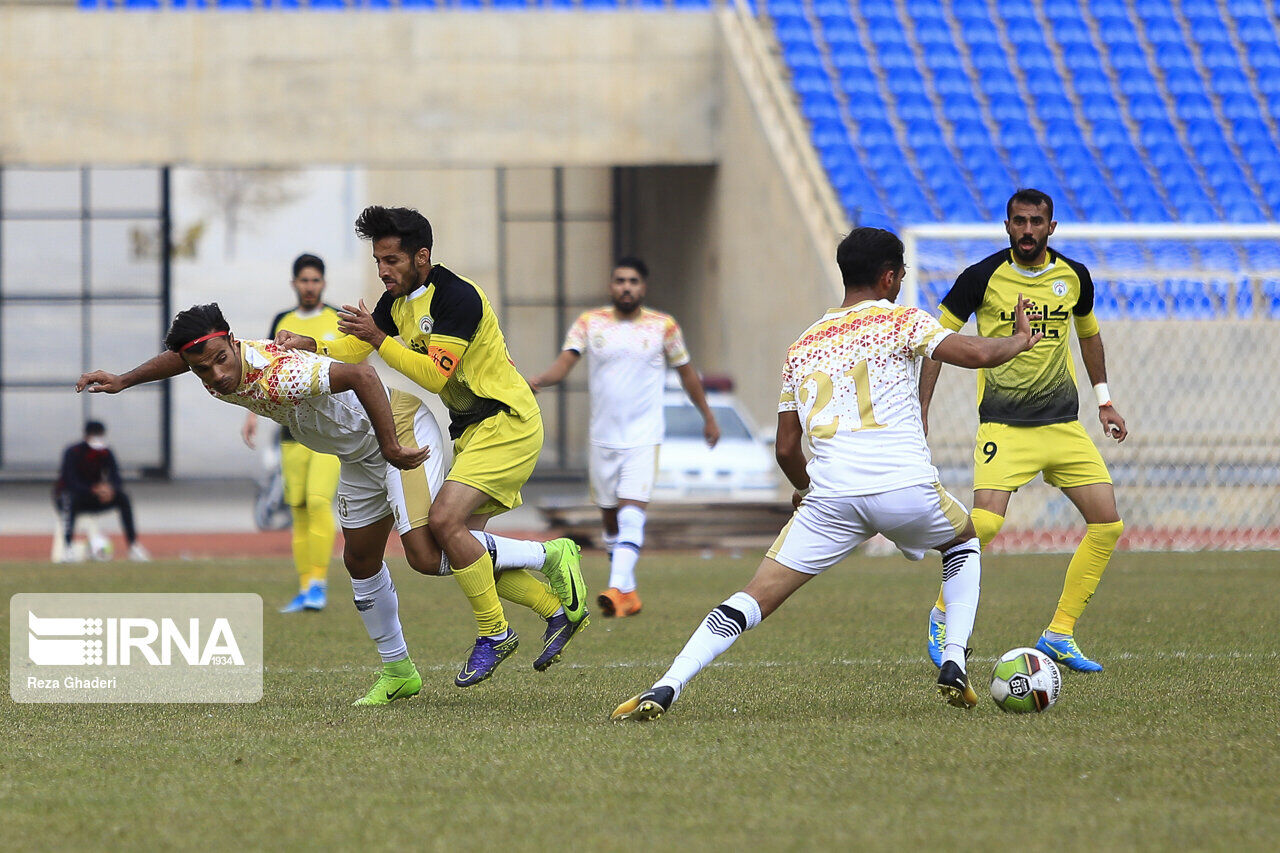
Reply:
x=698, y=396
x=369, y=389
x=973, y=352
x=163, y=366
x=556, y=373
x=1095, y=364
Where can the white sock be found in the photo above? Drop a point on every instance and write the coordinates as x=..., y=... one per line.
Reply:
x=608, y=540
x=626, y=553
x=738, y=613
x=379, y=607
x=512, y=553
x=961, y=578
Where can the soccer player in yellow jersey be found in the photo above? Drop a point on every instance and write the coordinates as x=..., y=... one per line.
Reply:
x=450, y=344
x=1028, y=409
x=310, y=478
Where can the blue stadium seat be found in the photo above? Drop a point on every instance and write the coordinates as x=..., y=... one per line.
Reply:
x=1190, y=299
x=1126, y=57
x=1183, y=81
x=1083, y=57
x=815, y=105
x=1271, y=298
x=1195, y=106
x=906, y=81
x=142, y=5
x=1264, y=57
x=1238, y=107
x=946, y=63
x=803, y=80
x=1244, y=298
x=802, y=56
x=1217, y=255
x=1263, y=254
x=1143, y=298
x=1229, y=81
x=1138, y=82
x=933, y=32
x=793, y=31
x=842, y=34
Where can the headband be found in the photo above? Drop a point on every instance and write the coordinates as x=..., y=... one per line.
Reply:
x=189, y=344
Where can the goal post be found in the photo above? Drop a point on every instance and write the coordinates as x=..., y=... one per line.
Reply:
x=1190, y=316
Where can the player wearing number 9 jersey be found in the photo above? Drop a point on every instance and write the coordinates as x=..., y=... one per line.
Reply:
x=849, y=392
x=1029, y=411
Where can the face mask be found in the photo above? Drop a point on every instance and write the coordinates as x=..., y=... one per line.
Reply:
x=97, y=442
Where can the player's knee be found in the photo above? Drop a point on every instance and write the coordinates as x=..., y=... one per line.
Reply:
x=986, y=524
x=426, y=560
x=360, y=565
x=1109, y=533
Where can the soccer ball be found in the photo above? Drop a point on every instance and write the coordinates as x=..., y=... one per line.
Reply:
x=100, y=548
x=1025, y=681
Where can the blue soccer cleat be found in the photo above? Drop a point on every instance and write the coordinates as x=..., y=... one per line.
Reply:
x=296, y=605
x=558, y=634
x=485, y=657
x=316, y=597
x=937, y=640
x=1067, y=653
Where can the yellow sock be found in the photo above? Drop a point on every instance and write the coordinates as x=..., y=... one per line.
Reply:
x=520, y=587
x=1084, y=572
x=322, y=532
x=478, y=586
x=302, y=545
x=987, y=524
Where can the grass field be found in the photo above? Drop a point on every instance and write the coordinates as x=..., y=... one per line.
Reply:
x=820, y=729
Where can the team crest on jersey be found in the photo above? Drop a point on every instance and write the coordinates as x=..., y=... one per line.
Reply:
x=1059, y=288
x=426, y=323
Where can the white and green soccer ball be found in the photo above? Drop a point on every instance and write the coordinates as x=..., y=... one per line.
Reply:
x=1025, y=681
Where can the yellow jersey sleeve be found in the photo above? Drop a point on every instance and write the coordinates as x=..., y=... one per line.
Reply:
x=1087, y=325
x=430, y=370
x=347, y=348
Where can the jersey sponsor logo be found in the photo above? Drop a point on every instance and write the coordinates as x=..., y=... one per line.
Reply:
x=425, y=324
x=1059, y=288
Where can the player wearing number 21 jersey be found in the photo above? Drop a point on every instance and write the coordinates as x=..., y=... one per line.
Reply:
x=849, y=392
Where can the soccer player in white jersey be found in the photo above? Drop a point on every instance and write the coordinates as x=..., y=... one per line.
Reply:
x=849, y=391
x=344, y=410
x=629, y=348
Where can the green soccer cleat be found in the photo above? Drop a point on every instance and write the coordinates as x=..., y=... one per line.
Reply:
x=399, y=680
x=563, y=568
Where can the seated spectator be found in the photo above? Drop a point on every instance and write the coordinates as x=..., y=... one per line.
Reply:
x=89, y=482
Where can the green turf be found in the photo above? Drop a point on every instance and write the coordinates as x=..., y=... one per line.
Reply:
x=819, y=729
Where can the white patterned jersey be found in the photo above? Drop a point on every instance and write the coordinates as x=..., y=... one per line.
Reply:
x=853, y=379
x=627, y=365
x=291, y=387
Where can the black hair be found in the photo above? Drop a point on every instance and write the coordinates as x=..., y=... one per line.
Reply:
x=304, y=261
x=94, y=428
x=413, y=229
x=1028, y=195
x=196, y=322
x=865, y=253
x=632, y=262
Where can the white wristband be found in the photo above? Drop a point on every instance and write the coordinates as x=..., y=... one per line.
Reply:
x=1103, y=393
x=805, y=491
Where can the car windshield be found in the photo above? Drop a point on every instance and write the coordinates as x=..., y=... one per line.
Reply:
x=686, y=422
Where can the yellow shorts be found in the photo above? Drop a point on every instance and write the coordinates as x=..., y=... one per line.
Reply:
x=307, y=473
x=497, y=457
x=1006, y=458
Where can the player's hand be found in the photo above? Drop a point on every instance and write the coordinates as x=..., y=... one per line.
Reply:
x=406, y=458
x=355, y=320
x=1112, y=423
x=711, y=432
x=1022, y=323
x=797, y=498
x=103, y=492
x=100, y=382
x=533, y=384
x=249, y=432
x=292, y=340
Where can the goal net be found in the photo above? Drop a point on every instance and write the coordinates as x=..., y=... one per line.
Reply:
x=1190, y=317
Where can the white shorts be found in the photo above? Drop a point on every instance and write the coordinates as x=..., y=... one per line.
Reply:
x=824, y=530
x=372, y=487
x=621, y=473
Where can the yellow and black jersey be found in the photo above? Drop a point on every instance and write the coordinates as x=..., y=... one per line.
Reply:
x=1039, y=385
x=452, y=347
x=320, y=323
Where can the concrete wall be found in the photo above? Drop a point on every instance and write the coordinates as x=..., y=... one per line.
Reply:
x=436, y=89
